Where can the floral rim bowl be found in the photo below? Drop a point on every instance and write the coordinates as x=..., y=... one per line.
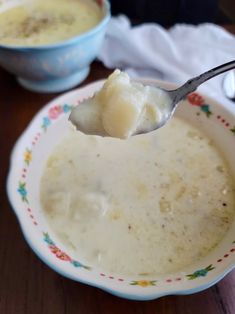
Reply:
x=28, y=159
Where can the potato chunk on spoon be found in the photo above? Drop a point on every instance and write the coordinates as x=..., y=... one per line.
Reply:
x=123, y=108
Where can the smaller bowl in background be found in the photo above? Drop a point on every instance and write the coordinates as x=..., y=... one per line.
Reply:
x=55, y=67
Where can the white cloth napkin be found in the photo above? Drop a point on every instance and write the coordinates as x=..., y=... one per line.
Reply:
x=173, y=55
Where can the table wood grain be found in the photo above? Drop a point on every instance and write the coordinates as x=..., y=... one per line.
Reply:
x=28, y=286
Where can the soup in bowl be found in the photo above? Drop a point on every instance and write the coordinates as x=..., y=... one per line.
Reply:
x=139, y=217
x=49, y=45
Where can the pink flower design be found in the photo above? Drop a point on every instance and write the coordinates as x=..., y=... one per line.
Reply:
x=54, y=249
x=59, y=254
x=54, y=112
x=100, y=2
x=195, y=99
x=63, y=256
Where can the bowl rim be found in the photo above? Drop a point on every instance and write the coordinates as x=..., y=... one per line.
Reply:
x=70, y=41
x=96, y=283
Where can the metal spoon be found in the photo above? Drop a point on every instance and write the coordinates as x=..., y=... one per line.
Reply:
x=191, y=85
x=87, y=116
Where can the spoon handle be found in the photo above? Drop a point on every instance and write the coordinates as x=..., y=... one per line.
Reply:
x=192, y=84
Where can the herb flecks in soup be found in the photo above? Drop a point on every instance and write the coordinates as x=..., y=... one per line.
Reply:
x=151, y=204
x=40, y=22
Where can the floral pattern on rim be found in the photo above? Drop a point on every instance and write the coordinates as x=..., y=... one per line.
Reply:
x=201, y=272
x=197, y=100
x=54, y=113
x=100, y=2
x=22, y=191
x=143, y=283
x=27, y=156
x=60, y=254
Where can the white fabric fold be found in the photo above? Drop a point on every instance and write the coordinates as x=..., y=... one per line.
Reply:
x=173, y=55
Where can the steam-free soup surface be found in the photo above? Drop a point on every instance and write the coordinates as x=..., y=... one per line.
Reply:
x=39, y=22
x=148, y=205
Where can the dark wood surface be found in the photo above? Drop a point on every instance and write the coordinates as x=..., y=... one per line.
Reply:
x=28, y=286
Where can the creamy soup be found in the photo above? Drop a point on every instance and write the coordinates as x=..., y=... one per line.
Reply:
x=148, y=205
x=39, y=22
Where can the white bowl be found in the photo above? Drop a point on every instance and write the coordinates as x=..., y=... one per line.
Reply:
x=28, y=159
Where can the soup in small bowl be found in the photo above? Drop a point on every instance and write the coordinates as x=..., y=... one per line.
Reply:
x=49, y=45
x=141, y=218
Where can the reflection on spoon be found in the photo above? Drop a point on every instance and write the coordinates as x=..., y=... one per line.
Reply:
x=123, y=108
x=228, y=85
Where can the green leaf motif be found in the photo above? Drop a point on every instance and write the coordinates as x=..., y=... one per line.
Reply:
x=78, y=264
x=200, y=273
x=233, y=130
x=46, y=122
x=22, y=191
x=206, y=109
x=47, y=239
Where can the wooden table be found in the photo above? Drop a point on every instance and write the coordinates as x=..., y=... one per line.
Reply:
x=28, y=286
